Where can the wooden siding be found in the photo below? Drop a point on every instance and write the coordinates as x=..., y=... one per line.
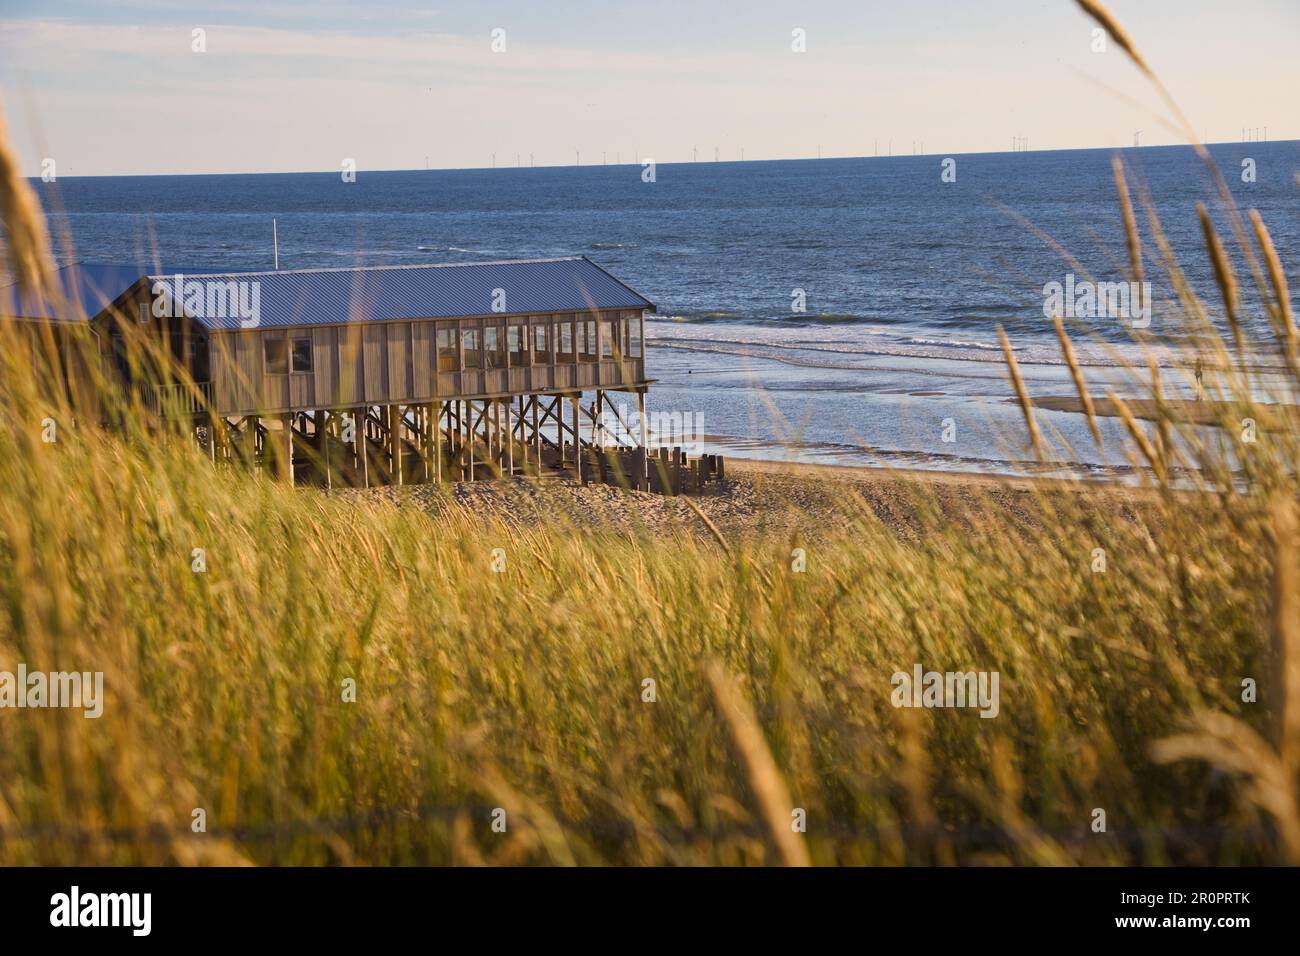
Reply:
x=396, y=363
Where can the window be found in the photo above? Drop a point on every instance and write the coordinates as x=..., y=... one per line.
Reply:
x=199, y=364
x=494, y=347
x=273, y=351
x=565, y=339
x=448, y=359
x=541, y=350
x=473, y=359
x=607, y=340
x=517, y=343
x=301, y=355
x=634, y=343
x=587, y=343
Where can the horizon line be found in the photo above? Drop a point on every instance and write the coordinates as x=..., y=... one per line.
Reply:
x=707, y=162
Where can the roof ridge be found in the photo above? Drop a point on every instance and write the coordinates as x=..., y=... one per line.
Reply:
x=392, y=268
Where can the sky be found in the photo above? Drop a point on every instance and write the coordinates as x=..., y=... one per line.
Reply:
x=118, y=88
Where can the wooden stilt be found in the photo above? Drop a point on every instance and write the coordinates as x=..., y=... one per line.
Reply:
x=498, y=425
x=458, y=440
x=362, y=446
x=427, y=442
x=324, y=422
x=643, y=472
x=469, y=436
x=577, y=437
x=395, y=443
x=537, y=436
x=425, y=427
x=510, y=438
x=437, y=442
x=257, y=454
x=453, y=429
x=287, y=422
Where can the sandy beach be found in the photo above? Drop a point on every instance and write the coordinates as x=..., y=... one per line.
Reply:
x=758, y=497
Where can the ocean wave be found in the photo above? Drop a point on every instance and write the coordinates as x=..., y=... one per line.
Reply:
x=850, y=355
x=954, y=343
x=785, y=321
x=824, y=318
x=703, y=318
x=1009, y=318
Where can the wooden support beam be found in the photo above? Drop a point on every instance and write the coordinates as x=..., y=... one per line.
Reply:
x=499, y=427
x=253, y=435
x=324, y=422
x=470, y=430
x=643, y=471
x=437, y=442
x=531, y=436
x=621, y=420
x=424, y=426
x=510, y=438
x=362, y=444
x=430, y=440
x=287, y=423
x=577, y=437
x=395, y=443
x=537, y=436
x=556, y=413
x=454, y=437
x=454, y=433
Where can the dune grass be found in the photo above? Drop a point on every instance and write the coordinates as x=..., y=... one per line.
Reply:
x=346, y=681
x=523, y=688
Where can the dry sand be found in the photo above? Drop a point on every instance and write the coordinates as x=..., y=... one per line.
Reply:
x=757, y=498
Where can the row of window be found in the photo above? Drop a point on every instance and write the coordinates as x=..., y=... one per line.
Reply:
x=492, y=346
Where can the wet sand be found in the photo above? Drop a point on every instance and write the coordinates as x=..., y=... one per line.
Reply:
x=1195, y=413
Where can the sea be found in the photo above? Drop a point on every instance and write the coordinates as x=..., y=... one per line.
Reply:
x=837, y=311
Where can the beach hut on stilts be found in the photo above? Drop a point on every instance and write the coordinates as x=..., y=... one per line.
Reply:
x=388, y=375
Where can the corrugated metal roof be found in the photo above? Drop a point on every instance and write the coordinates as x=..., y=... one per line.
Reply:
x=370, y=294
x=387, y=293
x=88, y=289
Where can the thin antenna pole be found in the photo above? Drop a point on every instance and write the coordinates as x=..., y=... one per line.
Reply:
x=275, y=243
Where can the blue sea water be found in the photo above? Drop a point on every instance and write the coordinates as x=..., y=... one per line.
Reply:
x=905, y=276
